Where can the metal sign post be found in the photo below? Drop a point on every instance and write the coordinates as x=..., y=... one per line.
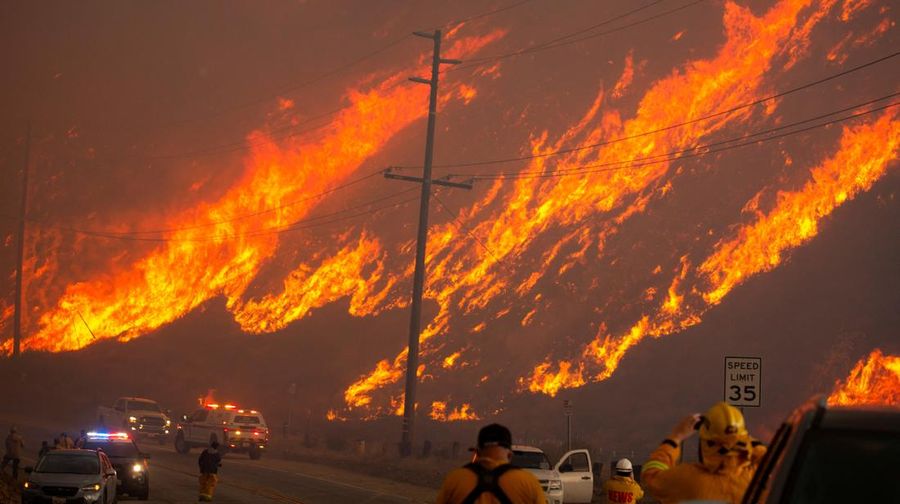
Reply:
x=567, y=410
x=743, y=381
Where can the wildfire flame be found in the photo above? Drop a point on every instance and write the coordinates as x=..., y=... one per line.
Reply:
x=873, y=381
x=537, y=226
x=439, y=412
x=170, y=281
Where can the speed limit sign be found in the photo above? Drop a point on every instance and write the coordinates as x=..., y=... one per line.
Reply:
x=743, y=381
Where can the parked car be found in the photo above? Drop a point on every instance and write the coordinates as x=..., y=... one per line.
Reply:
x=828, y=454
x=131, y=465
x=63, y=476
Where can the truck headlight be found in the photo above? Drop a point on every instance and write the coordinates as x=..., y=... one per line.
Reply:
x=31, y=486
x=168, y=422
x=91, y=488
x=137, y=468
x=132, y=419
x=554, y=485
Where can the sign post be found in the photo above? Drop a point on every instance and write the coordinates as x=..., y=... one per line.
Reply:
x=743, y=381
x=567, y=409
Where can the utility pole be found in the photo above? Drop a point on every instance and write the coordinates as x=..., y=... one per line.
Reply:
x=415, y=320
x=20, y=255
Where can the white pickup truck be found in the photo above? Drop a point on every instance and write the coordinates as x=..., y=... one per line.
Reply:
x=142, y=417
x=570, y=481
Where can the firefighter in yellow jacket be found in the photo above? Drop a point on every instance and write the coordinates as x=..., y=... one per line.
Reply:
x=621, y=487
x=728, y=458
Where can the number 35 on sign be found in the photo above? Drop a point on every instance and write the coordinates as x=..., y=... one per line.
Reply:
x=743, y=380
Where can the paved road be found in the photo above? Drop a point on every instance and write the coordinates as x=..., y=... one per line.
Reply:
x=173, y=479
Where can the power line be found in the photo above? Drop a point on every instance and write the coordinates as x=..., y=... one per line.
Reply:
x=241, y=145
x=485, y=14
x=237, y=218
x=671, y=126
x=311, y=222
x=698, y=151
x=472, y=235
x=338, y=70
x=568, y=39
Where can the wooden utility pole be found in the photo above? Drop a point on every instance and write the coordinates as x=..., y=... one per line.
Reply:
x=415, y=320
x=20, y=255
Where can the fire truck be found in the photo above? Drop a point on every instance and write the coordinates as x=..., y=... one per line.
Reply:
x=236, y=430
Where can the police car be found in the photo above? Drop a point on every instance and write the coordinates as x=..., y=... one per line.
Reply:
x=130, y=463
x=237, y=430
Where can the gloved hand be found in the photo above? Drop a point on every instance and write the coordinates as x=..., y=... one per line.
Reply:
x=685, y=428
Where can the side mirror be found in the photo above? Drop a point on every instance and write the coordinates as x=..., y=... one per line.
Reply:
x=184, y=418
x=29, y=469
x=145, y=456
x=168, y=412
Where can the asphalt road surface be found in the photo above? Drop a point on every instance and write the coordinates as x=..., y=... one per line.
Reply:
x=173, y=478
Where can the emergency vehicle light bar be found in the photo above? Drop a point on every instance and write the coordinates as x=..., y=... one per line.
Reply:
x=108, y=435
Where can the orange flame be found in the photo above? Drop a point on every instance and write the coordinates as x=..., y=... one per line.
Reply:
x=534, y=206
x=214, y=252
x=874, y=381
x=864, y=154
x=462, y=413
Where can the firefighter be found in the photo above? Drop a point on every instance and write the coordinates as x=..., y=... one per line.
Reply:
x=490, y=478
x=65, y=442
x=728, y=458
x=14, y=446
x=621, y=487
x=81, y=439
x=210, y=461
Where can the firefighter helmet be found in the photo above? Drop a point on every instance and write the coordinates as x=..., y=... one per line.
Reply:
x=623, y=467
x=722, y=422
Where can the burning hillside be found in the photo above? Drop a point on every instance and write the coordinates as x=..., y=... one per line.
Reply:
x=624, y=209
x=873, y=381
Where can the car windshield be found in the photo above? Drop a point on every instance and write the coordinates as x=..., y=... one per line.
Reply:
x=143, y=406
x=530, y=460
x=69, y=463
x=114, y=450
x=832, y=458
x=244, y=419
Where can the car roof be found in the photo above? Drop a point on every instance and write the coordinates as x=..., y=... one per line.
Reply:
x=138, y=399
x=71, y=451
x=861, y=418
x=526, y=448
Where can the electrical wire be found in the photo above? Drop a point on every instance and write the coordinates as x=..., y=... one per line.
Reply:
x=241, y=145
x=338, y=70
x=568, y=38
x=469, y=232
x=311, y=222
x=250, y=215
x=698, y=151
x=671, y=126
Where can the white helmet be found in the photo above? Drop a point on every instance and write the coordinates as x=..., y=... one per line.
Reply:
x=623, y=466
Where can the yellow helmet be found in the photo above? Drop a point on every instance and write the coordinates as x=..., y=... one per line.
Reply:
x=724, y=440
x=723, y=422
